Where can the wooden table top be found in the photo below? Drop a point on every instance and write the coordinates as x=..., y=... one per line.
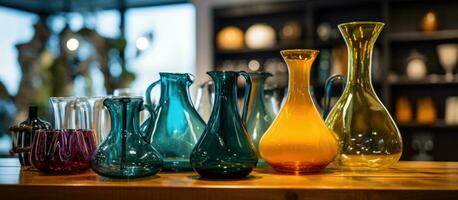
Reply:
x=406, y=180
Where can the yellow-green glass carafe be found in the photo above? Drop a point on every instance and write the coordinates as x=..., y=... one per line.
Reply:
x=368, y=137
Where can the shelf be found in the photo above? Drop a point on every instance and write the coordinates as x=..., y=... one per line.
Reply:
x=424, y=82
x=275, y=49
x=437, y=125
x=252, y=10
x=431, y=180
x=423, y=36
x=375, y=84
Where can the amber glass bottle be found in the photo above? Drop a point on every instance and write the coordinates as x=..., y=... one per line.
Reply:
x=298, y=139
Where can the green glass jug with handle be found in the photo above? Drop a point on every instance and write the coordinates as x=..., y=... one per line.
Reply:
x=260, y=113
x=126, y=153
x=225, y=150
x=178, y=126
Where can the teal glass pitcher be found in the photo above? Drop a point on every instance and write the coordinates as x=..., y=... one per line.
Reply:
x=260, y=113
x=225, y=150
x=126, y=153
x=178, y=126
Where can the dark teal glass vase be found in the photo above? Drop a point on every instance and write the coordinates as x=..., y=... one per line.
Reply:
x=126, y=153
x=260, y=113
x=178, y=126
x=225, y=150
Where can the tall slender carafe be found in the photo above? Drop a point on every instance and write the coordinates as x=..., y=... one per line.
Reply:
x=298, y=139
x=126, y=153
x=225, y=149
x=260, y=113
x=368, y=137
x=178, y=126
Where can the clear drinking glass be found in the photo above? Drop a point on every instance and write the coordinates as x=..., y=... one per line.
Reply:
x=81, y=113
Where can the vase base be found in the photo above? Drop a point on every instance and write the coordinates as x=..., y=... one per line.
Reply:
x=365, y=162
x=219, y=174
x=262, y=164
x=298, y=167
x=176, y=165
x=127, y=173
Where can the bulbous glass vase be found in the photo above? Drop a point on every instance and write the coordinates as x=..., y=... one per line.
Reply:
x=178, y=126
x=298, y=139
x=126, y=153
x=225, y=150
x=368, y=137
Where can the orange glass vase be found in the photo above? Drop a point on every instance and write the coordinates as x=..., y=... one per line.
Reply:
x=298, y=139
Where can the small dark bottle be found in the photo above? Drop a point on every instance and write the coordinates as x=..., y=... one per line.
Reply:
x=23, y=134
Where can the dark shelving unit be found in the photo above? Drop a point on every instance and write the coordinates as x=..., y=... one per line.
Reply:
x=277, y=48
x=404, y=82
x=440, y=125
x=401, y=35
x=423, y=36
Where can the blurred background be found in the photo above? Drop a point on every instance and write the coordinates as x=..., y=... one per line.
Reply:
x=91, y=48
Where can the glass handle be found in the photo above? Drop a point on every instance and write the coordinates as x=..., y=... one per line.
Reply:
x=148, y=93
x=192, y=78
x=247, y=94
x=148, y=126
x=200, y=93
x=327, y=92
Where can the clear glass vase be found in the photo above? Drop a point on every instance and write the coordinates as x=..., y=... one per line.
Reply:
x=81, y=113
x=368, y=137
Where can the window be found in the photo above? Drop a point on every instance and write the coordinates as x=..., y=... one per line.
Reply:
x=173, y=45
x=170, y=49
x=20, y=30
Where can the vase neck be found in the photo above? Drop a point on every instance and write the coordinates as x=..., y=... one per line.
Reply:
x=175, y=88
x=225, y=84
x=33, y=112
x=299, y=65
x=299, y=79
x=123, y=114
x=360, y=39
x=359, y=64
